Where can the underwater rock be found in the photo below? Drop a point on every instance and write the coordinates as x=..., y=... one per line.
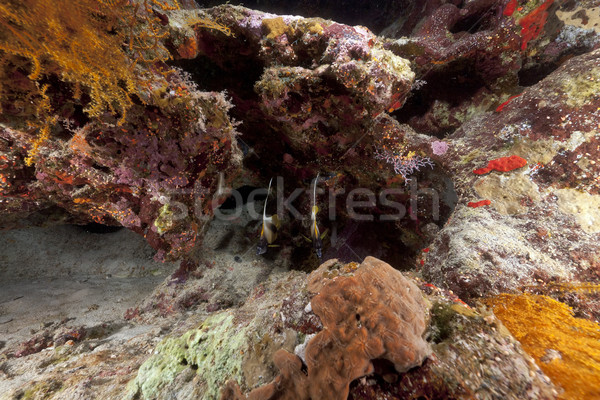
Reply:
x=155, y=174
x=489, y=256
x=153, y=171
x=375, y=16
x=542, y=223
x=464, y=56
x=473, y=355
x=468, y=56
x=488, y=353
x=302, y=87
x=308, y=89
x=358, y=327
x=111, y=136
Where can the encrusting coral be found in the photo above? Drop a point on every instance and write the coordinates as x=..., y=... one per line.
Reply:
x=369, y=311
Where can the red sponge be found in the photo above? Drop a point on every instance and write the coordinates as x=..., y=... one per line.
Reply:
x=503, y=164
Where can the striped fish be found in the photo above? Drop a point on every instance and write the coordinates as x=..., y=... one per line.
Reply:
x=270, y=225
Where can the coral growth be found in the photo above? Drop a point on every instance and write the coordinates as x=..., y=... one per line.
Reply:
x=566, y=348
x=475, y=54
x=155, y=174
x=93, y=46
x=404, y=165
x=468, y=53
x=112, y=134
x=369, y=312
x=542, y=221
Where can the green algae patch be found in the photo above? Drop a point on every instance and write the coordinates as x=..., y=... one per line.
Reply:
x=42, y=390
x=447, y=318
x=395, y=64
x=164, y=222
x=467, y=159
x=213, y=350
x=582, y=89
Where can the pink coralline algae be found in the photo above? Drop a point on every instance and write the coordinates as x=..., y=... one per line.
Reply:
x=439, y=148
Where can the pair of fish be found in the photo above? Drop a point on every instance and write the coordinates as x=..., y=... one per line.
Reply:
x=271, y=224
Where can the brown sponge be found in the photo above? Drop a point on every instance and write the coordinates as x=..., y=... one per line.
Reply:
x=369, y=311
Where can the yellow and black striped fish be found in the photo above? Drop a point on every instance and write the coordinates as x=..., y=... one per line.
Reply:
x=315, y=234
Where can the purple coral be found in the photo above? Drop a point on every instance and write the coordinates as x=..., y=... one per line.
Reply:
x=404, y=165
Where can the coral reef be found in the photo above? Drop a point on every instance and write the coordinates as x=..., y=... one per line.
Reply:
x=460, y=147
x=470, y=57
x=488, y=352
x=153, y=170
x=540, y=225
x=192, y=354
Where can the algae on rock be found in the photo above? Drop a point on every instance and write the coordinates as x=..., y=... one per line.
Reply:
x=213, y=351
